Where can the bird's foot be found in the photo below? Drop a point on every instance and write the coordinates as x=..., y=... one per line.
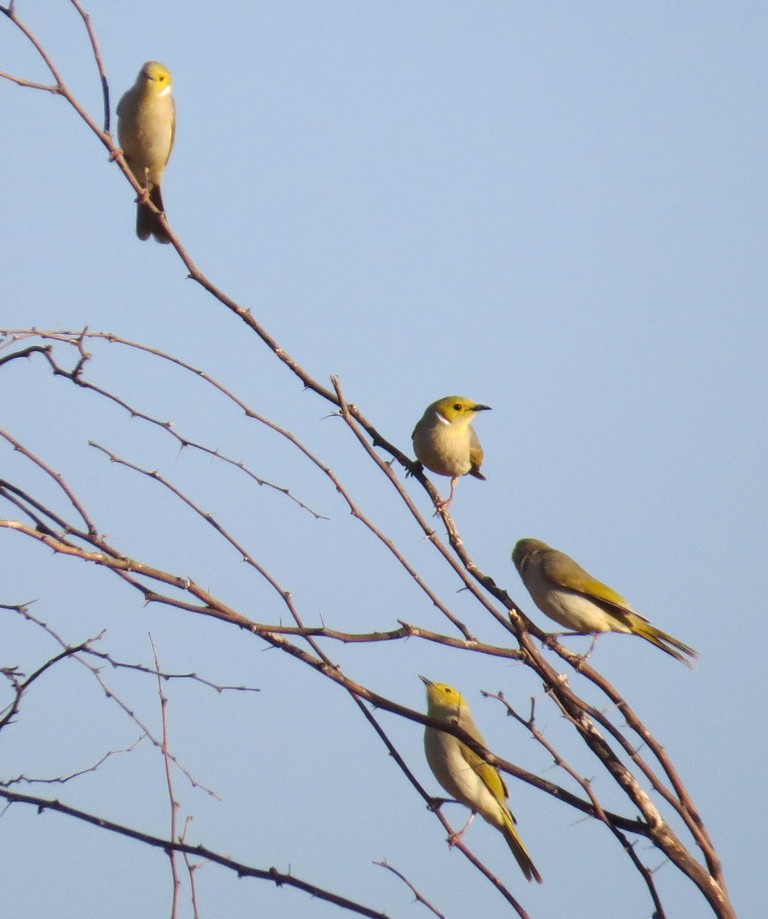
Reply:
x=455, y=838
x=442, y=504
x=551, y=639
x=415, y=468
x=434, y=804
x=583, y=659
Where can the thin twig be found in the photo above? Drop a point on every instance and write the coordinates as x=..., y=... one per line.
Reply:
x=383, y=863
x=173, y=802
x=192, y=868
x=63, y=779
x=99, y=62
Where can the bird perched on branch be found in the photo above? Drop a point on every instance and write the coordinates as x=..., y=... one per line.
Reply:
x=445, y=441
x=146, y=127
x=465, y=775
x=565, y=592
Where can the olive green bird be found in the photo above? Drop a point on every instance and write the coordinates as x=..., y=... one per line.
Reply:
x=565, y=592
x=446, y=443
x=465, y=775
x=146, y=127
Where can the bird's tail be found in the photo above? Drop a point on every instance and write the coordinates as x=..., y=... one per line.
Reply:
x=519, y=851
x=147, y=222
x=663, y=640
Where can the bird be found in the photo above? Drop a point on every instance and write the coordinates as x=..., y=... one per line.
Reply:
x=565, y=592
x=146, y=127
x=465, y=775
x=446, y=443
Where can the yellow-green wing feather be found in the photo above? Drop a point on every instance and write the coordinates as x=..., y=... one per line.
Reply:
x=173, y=129
x=489, y=774
x=491, y=777
x=563, y=571
x=475, y=455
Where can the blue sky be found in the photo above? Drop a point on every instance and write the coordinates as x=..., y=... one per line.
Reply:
x=557, y=210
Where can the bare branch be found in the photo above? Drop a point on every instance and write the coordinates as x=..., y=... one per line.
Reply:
x=173, y=803
x=419, y=897
x=98, y=59
x=57, y=478
x=76, y=376
x=588, y=787
x=280, y=879
x=63, y=779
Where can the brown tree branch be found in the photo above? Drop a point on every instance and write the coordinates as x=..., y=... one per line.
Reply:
x=98, y=59
x=280, y=879
x=173, y=802
x=419, y=897
x=588, y=787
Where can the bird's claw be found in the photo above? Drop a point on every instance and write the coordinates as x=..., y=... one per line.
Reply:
x=416, y=468
x=434, y=804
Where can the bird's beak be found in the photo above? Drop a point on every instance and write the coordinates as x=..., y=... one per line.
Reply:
x=425, y=681
x=481, y=408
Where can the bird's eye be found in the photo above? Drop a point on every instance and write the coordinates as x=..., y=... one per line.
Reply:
x=457, y=406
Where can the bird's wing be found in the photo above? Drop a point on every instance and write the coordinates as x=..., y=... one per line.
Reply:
x=489, y=775
x=475, y=454
x=173, y=129
x=563, y=571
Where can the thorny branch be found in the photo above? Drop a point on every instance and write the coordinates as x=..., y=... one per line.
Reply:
x=173, y=802
x=63, y=779
x=76, y=376
x=417, y=895
x=588, y=787
x=80, y=654
x=279, y=878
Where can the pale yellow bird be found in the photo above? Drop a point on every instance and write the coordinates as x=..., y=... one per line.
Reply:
x=465, y=775
x=565, y=592
x=446, y=443
x=146, y=127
